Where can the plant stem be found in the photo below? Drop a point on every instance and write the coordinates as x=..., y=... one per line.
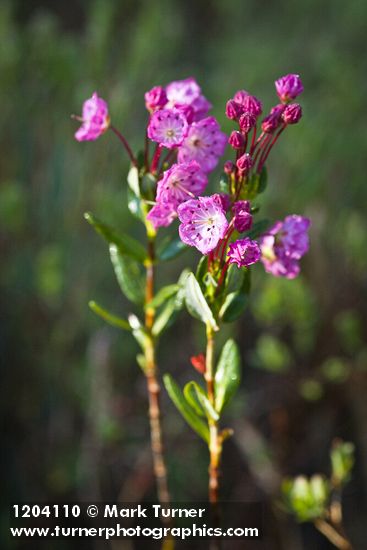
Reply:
x=153, y=385
x=215, y=442
x=125, y=144
x=332, y=535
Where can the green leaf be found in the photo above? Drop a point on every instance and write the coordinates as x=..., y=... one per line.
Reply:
x=165, y=317
x=233, y=306
x=194, y=394
x=128, y=275
x=134, y=205
x=108, y=317
x=189, y=414
x=126, y=244
x=223, y=183
x=236, y=301
x=133, y=181
x=201, y=271
x=228, y=374
x=140, y=359
x=196, y=304
x=139, y=332
x=170, y=249
x=163, y=295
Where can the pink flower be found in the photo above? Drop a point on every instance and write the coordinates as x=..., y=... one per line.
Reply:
x=155, y=98
x=288, y=87
x=188, y=92
x=284, y=245
x=168, y=127
x=161, y=215
x=205, y=143
x=95, y=119
x=203, y=223
x=243, y=252
x=292, y=113
x=180, y=183
x=242, y=217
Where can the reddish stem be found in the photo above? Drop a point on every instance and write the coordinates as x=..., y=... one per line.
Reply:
x=156, y=157
x=265, y=154
x=126, y=145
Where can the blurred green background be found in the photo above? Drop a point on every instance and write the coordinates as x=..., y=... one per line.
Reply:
x=74, y=402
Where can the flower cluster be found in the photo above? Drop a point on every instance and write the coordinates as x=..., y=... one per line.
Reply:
x=179, y=122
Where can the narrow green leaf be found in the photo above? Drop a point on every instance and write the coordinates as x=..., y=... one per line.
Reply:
x=228, y=374
x=163, y=295
x=134, y=205
x=139, y=331
x=171, y=249
x=201, y=271
x=140, y=359
x=108, y=317
x=189, y=414
x=126, y=244
x=165, y=317
x=133, y=181
x=233, y=306
x=234, y=278
x=194, y=394
x=195, y=302
x=128, y=275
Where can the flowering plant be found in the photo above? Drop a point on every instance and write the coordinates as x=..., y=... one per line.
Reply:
x=168, y=184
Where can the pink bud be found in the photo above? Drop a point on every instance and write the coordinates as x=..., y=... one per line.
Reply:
x=245, y=163
x=288, y=87
x=236, y=140
x=233, y=110
x=246, y=122
x=155, y=98
x=229, y=167
x=270, y=123
x=292, y=113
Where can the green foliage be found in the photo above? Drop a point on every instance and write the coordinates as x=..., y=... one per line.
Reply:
x=342, y=461
x=196, y=304
x=108, y=317
x=125, y=244
x=128, y=275
x=170, y=249
x=310, y=389
x=227, y=374
x=271, y=354
x=306, y=498
x=198, y=399
x=235, y=301
x=187, y=411
x=166, y=316
x=335, y=369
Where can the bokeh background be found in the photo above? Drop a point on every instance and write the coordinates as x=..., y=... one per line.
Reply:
x=74, y=401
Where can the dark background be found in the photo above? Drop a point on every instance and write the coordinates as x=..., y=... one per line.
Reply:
x=74, y=402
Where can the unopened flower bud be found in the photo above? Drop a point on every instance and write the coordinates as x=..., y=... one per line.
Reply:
x=228, y=167
x=288, y=87
x=246, y=122
x=244, y=163
x=233, y=110
x=270, y=123
x=292, y=113
x=236, y=140
x=155, y=98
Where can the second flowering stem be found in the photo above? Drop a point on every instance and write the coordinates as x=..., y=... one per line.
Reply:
x=215, y=442
x=153, y=385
